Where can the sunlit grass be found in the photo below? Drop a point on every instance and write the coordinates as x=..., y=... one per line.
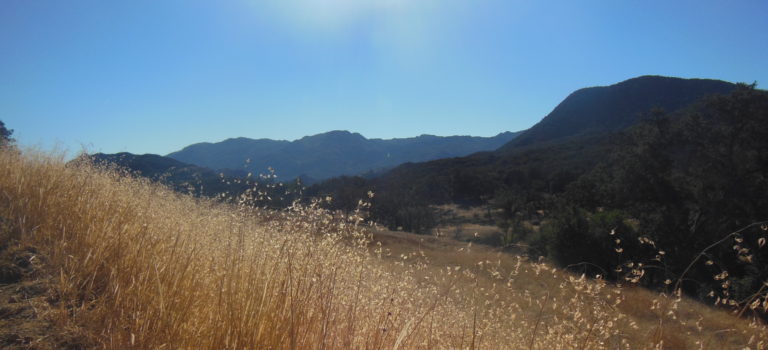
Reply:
x=139, y=265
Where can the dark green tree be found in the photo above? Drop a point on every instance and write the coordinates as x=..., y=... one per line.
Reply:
x=688, y=180
x=5, y=135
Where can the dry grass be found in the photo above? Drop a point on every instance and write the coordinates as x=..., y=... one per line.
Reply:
x=469, y=232
x=475, y=224
x=141, y=266
x=685, y=324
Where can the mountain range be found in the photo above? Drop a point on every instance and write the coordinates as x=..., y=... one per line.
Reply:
x=570, y=140
x=331, y=154
x=566, y=143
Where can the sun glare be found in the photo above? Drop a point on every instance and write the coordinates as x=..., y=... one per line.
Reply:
x=340, y=15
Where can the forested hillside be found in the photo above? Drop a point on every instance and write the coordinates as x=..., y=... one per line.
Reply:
x=606, y=109
x=679, y=188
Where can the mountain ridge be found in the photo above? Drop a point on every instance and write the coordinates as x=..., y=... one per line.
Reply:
x=551, y=154
x=333, y=153
x=610, y=108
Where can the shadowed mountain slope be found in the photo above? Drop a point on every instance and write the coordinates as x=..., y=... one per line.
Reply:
x=153, y=166
x=178, y=175
x=573, y=138
x=605, y=109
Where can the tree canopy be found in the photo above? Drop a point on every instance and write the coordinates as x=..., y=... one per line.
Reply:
x=5, y=135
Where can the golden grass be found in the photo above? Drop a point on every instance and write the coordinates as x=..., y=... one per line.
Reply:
x=685, y=324
x=469, y=232
x=140, y=266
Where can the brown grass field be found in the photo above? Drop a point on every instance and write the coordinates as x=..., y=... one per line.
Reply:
x=130, y=264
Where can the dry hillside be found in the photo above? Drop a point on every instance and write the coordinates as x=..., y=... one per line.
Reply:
x=129, y=264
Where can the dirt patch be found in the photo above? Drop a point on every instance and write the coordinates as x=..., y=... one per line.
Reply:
x=25, y=303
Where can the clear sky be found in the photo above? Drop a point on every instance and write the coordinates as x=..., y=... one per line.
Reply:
x=152, y=76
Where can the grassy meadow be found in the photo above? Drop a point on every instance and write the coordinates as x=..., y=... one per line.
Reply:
x=135, y=265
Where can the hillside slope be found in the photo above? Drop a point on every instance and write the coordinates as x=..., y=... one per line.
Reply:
x=606, y=109
x=154, y=166
x=180, y=176
x=566, y=143
x=138, y=266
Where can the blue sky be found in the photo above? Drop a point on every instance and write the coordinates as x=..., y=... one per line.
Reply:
x=152, y=76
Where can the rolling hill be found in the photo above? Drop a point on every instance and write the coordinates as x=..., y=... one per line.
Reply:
x=178, y=175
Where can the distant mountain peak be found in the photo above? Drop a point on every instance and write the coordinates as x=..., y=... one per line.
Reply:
x=339, y=132
x=335, y=134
